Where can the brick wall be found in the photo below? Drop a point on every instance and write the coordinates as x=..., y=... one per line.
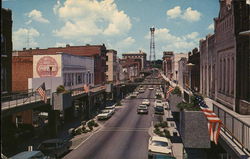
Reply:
x=21, y=71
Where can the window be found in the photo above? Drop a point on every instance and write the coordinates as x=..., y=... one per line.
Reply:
x=83, y=77
x=65, y=79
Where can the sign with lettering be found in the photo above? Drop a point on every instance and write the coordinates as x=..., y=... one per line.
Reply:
x=47, y=66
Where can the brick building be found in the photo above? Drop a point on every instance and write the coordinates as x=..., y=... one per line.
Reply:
x=168, y=64
x=96, y=51
x=140, y=57
x=22, y=69
x=6, y=50
x=194, y=70
x=225, y=74
x=111, y=64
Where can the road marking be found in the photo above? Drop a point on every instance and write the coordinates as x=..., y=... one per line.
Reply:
x=87, y=138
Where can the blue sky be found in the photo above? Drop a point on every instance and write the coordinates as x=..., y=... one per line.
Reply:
x=122, y=25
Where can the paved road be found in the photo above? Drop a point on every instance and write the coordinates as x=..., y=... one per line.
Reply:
x=124, y=136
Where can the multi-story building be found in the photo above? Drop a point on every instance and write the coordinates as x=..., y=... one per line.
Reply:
x=182, y=69
x=96, y=51
x=111, y=63
x=168, y=64
x=69, y=70
x=242, y=24
x=177, y=57
x=130, y=68
x=194, y=69
x=6, y=50
x=140, y=57
x=225, y=58
x=207, y=66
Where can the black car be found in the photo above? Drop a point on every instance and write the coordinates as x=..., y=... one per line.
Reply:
x=159, y=110
x=55, y=147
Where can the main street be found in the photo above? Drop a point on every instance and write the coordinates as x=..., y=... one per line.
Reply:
x=124, y=135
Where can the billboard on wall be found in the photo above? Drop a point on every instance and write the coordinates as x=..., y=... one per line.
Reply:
x=47, y=66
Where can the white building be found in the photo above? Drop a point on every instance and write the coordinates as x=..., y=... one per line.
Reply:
x=71, y=71
x=177, y=57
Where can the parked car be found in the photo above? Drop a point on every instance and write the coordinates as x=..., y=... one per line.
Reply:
x=159, y=147
x=150, y=88
x=145, y=102
x=141, y=90
x=133, y=95
x=28, y=155
x=158, y=103
x=105, y=114
x=159, y=110
x=142, y=109
x=111, y=109
x=55, y=147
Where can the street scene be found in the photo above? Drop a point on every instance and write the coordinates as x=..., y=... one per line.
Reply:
x=113, y=79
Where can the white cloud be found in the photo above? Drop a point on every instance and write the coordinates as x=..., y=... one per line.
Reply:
x=91, y=18
x=56, y=6
x=174, y=12
x=23, y=36
x=189, y=14
x=125, y=43
x=36, y=15
x=184, y=43
x=192, y=35
x=211, y=27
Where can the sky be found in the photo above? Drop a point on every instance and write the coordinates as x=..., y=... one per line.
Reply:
x=122, y=25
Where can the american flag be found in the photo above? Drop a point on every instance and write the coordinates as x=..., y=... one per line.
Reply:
x=170, y=89
x=214, y=123
x=42, y=91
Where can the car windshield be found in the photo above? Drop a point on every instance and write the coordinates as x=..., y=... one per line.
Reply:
x=142, y=107
x=158, y=101
x=159, y=143
x=159, y=108
x=105, y=111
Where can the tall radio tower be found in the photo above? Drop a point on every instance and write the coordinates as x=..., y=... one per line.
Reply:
x=152, y=45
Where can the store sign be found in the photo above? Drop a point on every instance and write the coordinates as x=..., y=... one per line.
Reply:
x=47, y=66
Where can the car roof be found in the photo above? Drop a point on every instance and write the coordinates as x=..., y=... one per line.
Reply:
x=158, y=138
x=25, y=154
x=52, y=141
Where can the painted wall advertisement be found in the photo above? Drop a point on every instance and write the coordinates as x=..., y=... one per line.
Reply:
x=47, y=66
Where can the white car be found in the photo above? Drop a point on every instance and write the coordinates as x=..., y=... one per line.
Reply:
x=159, y=146
x=150, y=88
x=145, y=102
x=105, y=114
x=141, y=90
x=111, y=109
x=158, y=103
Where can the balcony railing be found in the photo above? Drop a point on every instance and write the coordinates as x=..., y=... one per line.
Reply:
x=20, y=99
x=234, y=128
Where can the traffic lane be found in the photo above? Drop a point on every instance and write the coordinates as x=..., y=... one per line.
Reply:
x=113, y=145
x=120, y=136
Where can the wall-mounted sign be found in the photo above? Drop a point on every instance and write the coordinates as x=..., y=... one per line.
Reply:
x=47, y=66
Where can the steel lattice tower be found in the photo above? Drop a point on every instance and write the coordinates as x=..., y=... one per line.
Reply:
x=152, y=45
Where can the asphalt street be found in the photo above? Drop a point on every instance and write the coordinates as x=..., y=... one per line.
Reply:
x=123, y=136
